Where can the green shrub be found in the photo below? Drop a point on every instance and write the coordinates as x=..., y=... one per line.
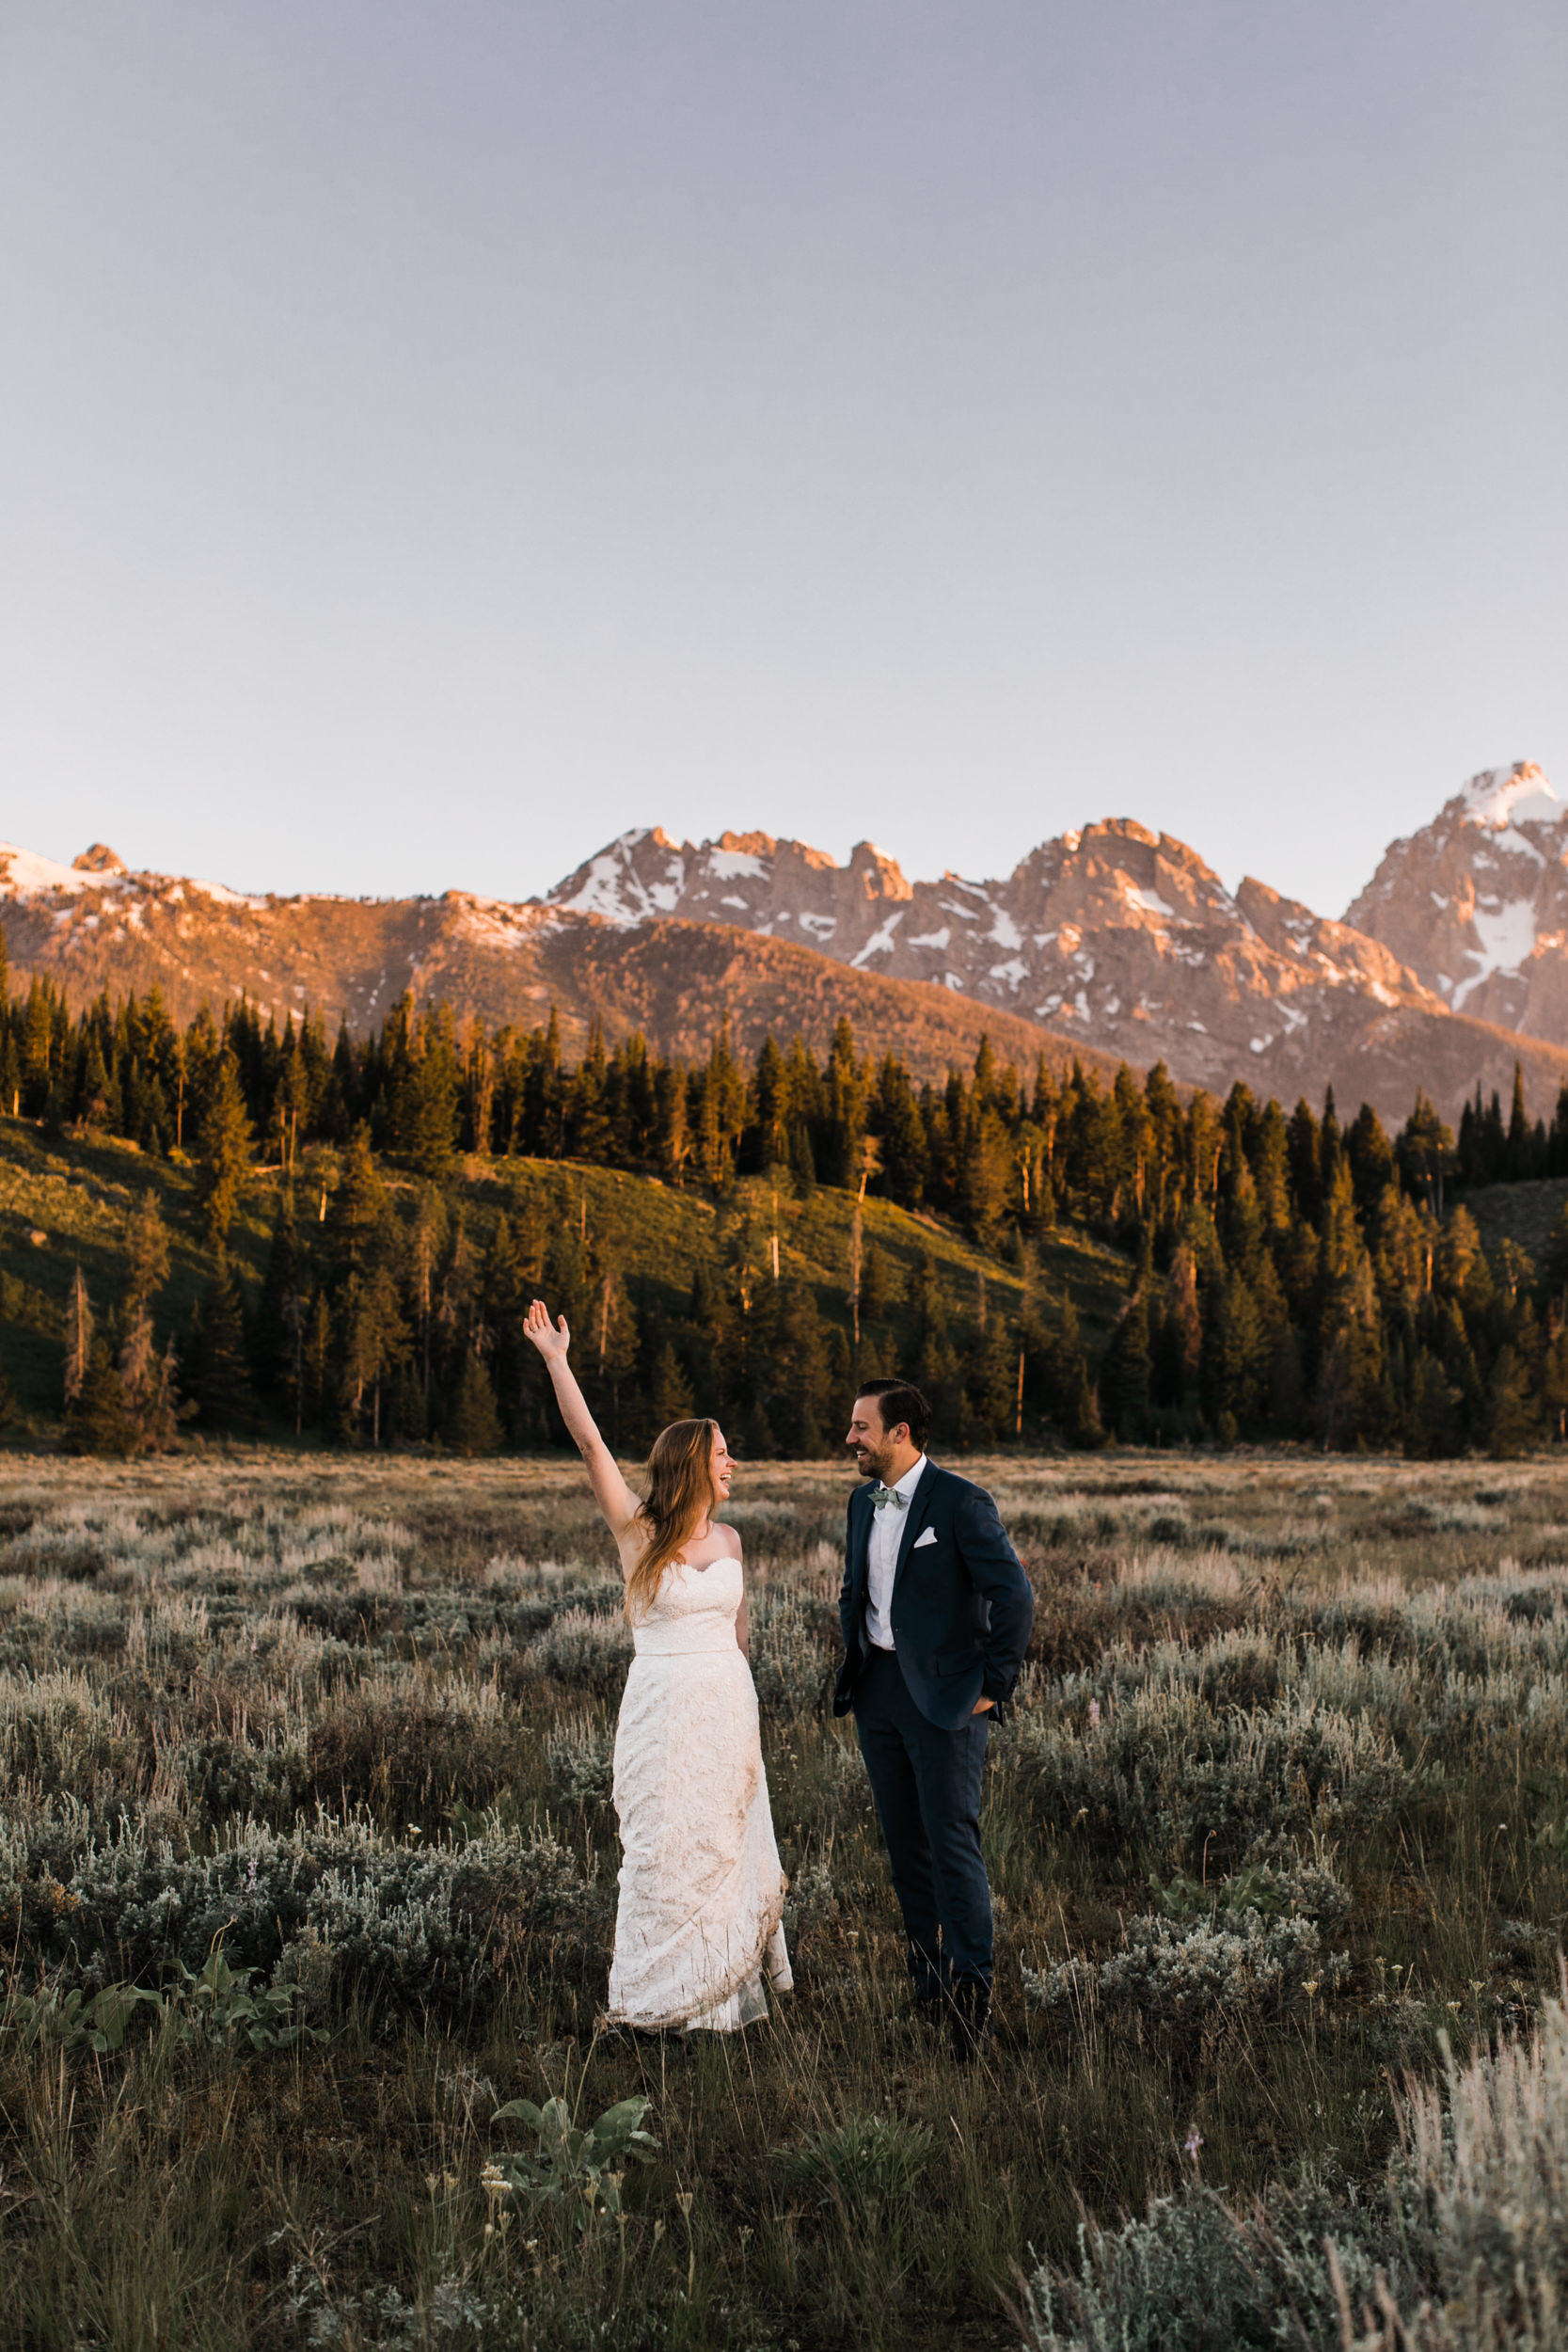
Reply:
x=332, y=1906
x=791, y=1664
x=1192, y=1977
x=1162, y=1769
x=861, y=2165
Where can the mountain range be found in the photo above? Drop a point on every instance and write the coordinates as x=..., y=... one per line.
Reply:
x=1113, y=941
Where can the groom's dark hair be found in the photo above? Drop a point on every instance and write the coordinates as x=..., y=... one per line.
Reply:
x=900, y=1400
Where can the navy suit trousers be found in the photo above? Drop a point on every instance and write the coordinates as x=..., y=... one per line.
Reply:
x=926, y=1786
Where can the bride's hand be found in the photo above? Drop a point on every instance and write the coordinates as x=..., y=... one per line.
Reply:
x=549, y=1338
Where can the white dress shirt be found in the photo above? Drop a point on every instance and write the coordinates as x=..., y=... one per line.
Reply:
x=887, y=1533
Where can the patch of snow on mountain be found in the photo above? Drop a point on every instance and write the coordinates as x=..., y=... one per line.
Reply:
x=1004, y=931
x=1151, y=903
x=1499, y=797
x=1511, y=838
x=1013, y=973
x=878, y=943
x=1507, y=935
x=736, y=902
x=224, y=897
x=28, y=875
x=601, y=894
x=496, y=923
x=617, y=893
x=934, y=938
x=730, y=864
x=821, y=923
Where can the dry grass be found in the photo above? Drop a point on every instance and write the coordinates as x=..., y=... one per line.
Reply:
x=1287, y=1797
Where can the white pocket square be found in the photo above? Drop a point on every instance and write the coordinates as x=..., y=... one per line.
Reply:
x=927, y=1535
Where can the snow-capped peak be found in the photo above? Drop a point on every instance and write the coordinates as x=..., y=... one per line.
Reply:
x=1501, y=796
x=641, y=873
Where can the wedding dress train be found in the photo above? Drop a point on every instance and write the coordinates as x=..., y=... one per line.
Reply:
x=701, y=1889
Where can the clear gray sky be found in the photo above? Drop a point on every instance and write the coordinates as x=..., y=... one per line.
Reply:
x=433, y=438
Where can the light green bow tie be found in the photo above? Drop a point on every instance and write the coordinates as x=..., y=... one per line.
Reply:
x=881, y=1495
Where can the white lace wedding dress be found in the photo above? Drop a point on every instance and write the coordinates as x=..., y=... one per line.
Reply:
x=701, y=1893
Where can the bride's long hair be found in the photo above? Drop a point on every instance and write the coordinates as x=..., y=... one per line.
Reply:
x=680, y=1493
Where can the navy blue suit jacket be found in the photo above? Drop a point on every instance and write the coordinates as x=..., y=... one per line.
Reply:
x=963, y=1606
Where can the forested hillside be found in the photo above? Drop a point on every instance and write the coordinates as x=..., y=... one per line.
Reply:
x=231, y=1225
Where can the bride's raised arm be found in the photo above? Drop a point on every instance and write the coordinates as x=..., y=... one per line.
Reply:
x=611, y=1492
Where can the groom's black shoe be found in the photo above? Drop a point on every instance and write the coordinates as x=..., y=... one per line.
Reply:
x=968, y=2008
x=919, y=2013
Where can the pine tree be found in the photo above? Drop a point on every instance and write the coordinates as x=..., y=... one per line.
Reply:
x=473, y=1425
x=96, y=1420
x=1519, y=1162
x=1126, y=1372
x=504, y=1294
x=876, y=1283
x=607, y=1348
x=1554, y=1380
x=989, y=1379
x=425, y=1109
x=1069, y=1392
x=1304, y=1154
x=319, y=1339
x=217, y=1354
x=1458, y=1257
x=277, y=1341
x=1241, y=1351
x=374, y=1338
x=145, y=1254
x=78, y=1337
x=1182, y=1336
x=799, y=1399
x=1515, y=1414
x=224, y=1148
x=149, y=1385
x=1432, y=1427
x=358, y=1210
x=669, y=1394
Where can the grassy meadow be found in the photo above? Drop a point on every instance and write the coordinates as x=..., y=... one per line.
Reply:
x=306, y=1869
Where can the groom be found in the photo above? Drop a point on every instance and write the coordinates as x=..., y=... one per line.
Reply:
x=936, y=1611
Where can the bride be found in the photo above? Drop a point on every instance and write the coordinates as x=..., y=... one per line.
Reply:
x=701, y=1893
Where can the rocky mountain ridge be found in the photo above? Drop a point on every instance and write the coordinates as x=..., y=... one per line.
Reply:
x=1113, y=941
x=1114, y=933
x=98, y=925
